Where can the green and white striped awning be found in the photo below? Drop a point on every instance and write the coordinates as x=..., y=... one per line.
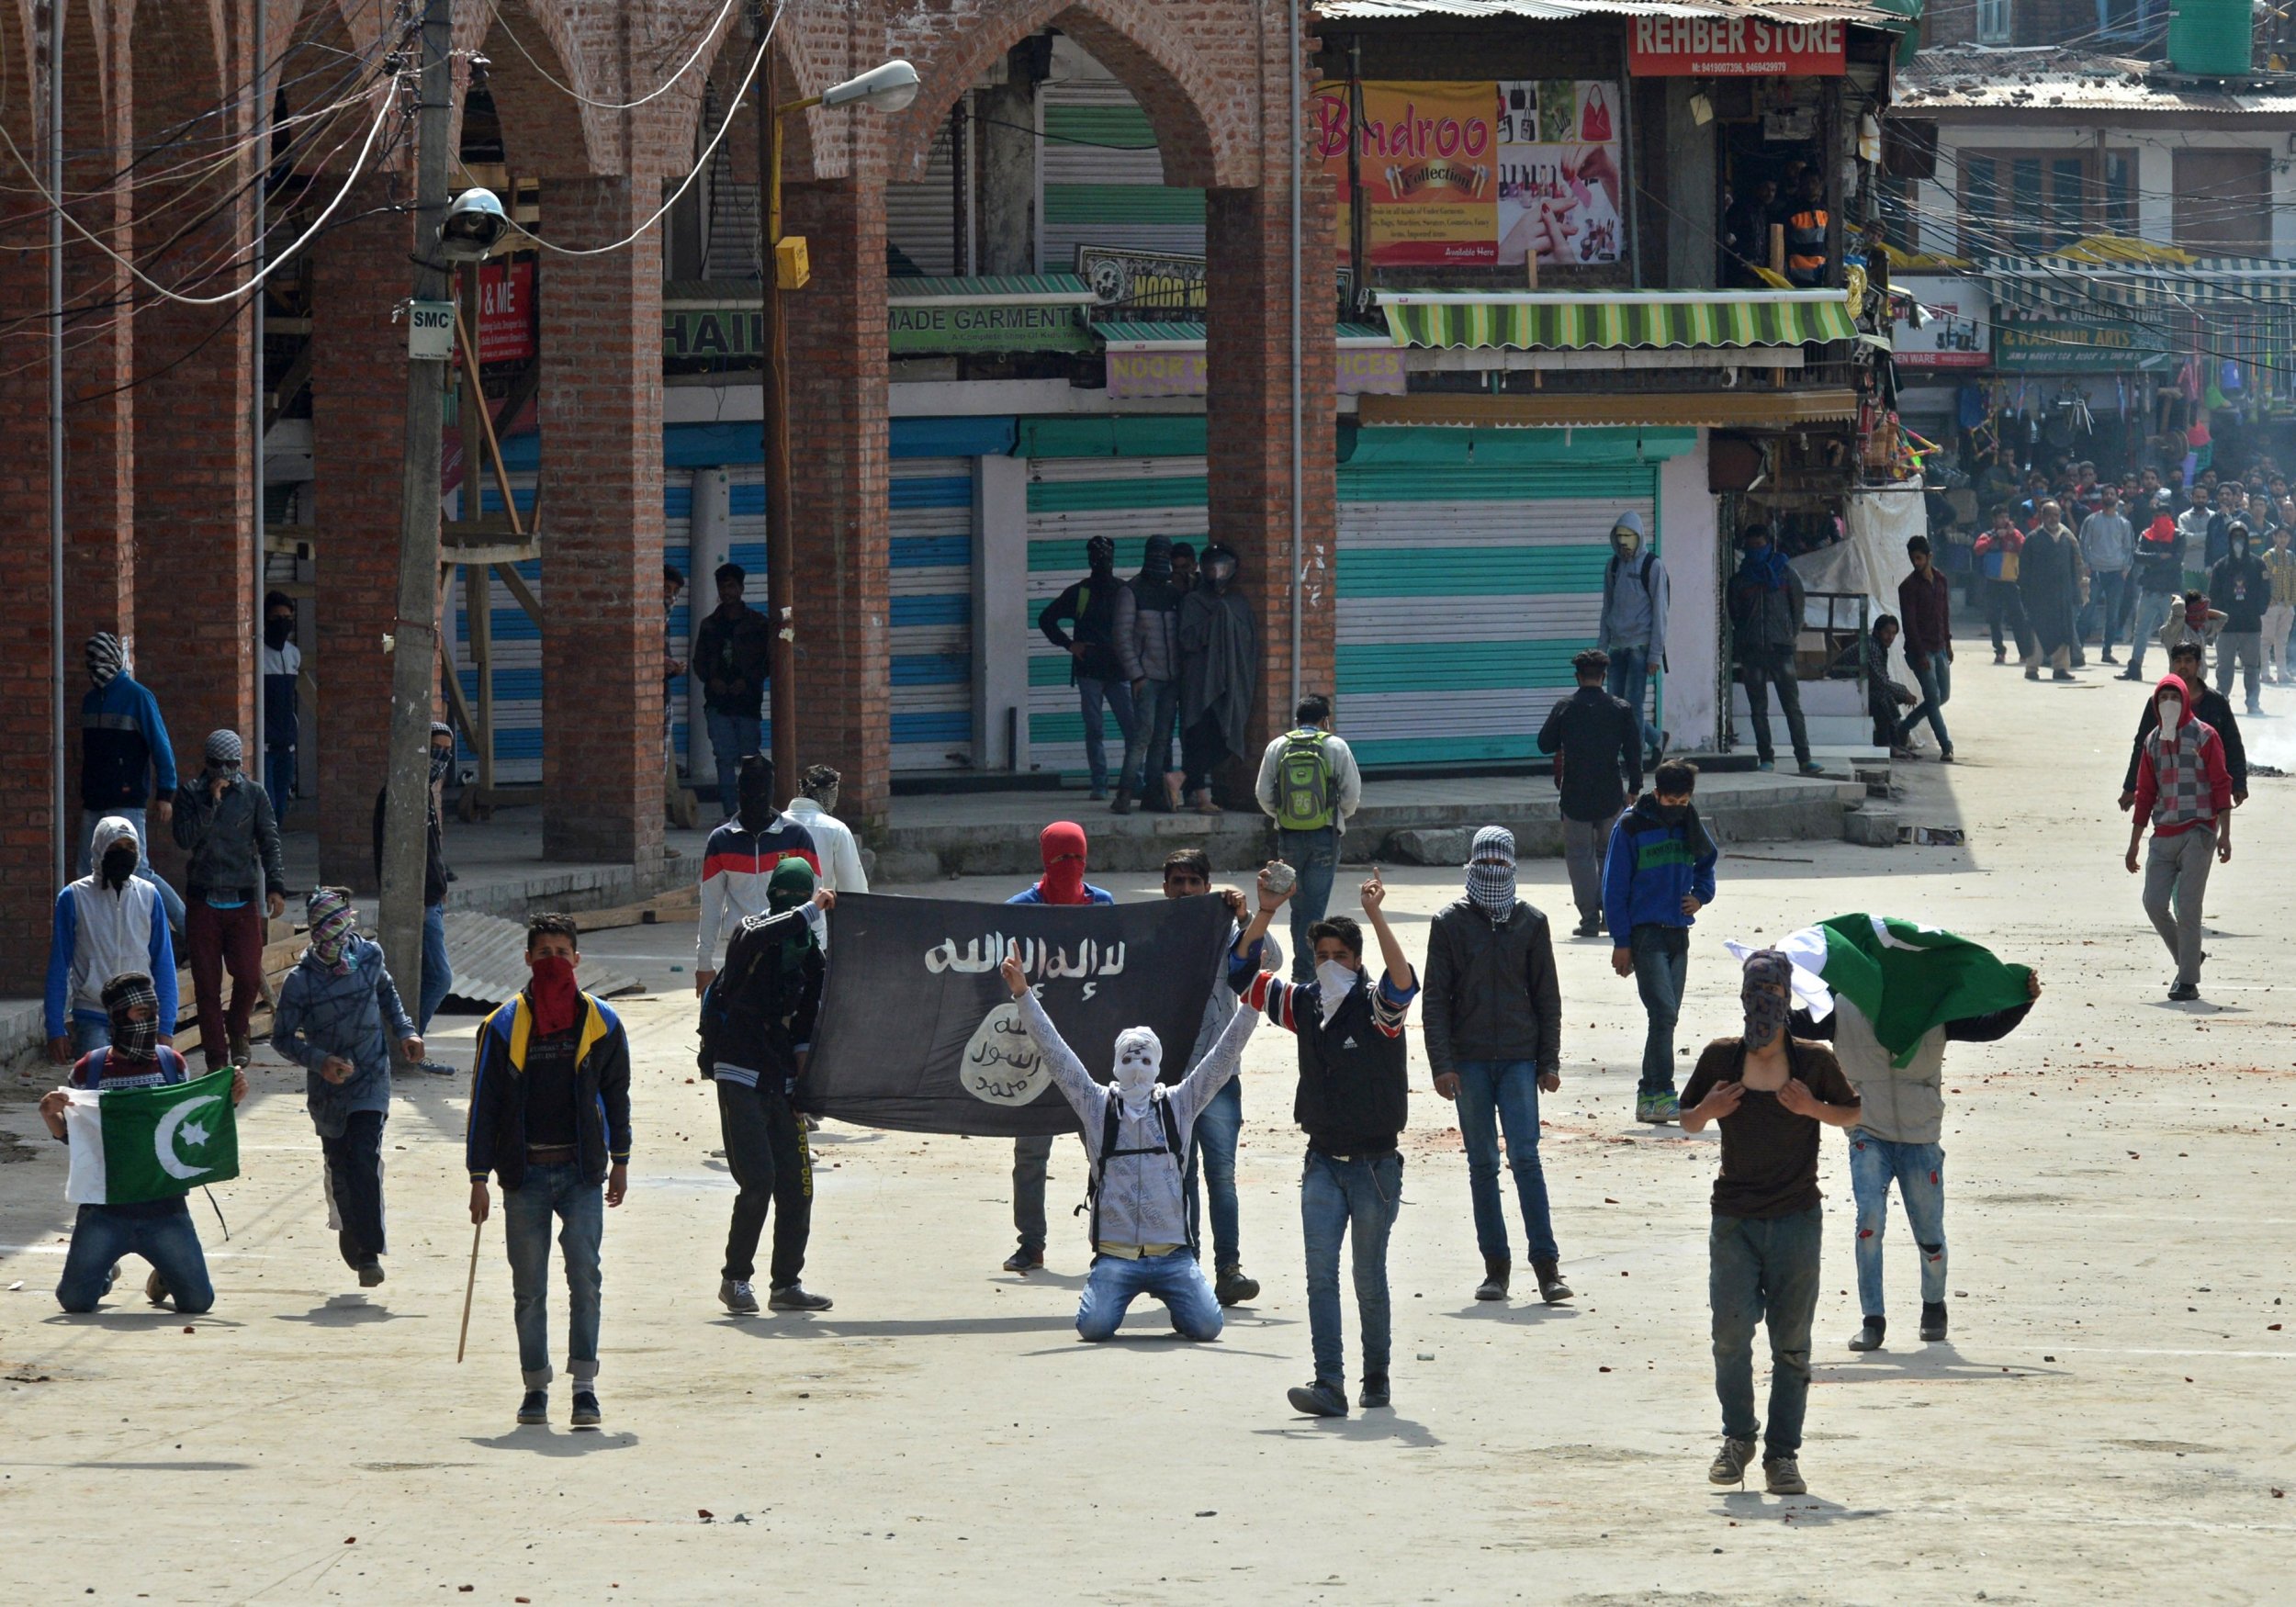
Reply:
x=2057, y=285
x=1577, y=321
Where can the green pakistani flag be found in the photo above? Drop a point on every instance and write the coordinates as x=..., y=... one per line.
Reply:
x=1902, y=977
x=134, y=1145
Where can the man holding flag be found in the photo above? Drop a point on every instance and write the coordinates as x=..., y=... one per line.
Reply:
x=141, y=1137
x=1931, y=988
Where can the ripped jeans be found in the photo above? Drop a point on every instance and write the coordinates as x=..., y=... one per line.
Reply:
x=1919, y=1170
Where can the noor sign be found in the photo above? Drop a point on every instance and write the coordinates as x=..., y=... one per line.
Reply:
x=1734, y=47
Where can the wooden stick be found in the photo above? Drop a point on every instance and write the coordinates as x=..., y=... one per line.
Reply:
x=469, y=1284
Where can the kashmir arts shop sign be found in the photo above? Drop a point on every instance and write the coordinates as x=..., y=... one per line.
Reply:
x=1734, y=47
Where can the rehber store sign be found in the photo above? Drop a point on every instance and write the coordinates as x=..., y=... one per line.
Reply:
x=1734, y=47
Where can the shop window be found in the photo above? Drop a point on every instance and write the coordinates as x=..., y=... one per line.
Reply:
x=2028, y=201
x=2128, y=19
x=2223, y=202
x=1994, y=24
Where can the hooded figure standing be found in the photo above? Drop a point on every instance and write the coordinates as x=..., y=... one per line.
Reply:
x=1766, y=603
x=1136, y=1138
x=1633, y=625
x=1220, y=669
x=2185, y=791
x=739, y=858
x=126, y=761
x=224, y=822
x=757, y=1029
x=1148, y=643
x=108, y=923
x=1096, y=663
x=1062, y=846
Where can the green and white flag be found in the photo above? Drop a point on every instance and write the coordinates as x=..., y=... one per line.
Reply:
x=134, y=1145
x=1902, y=977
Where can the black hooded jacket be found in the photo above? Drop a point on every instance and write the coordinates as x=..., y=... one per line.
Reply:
x=1598, y=741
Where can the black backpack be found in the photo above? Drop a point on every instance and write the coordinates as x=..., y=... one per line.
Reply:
x=1108, y=1152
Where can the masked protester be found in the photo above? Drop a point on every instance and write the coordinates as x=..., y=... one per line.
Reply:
x=1219, y=667
x=550, y=1118
x=741, y=855
x=126, y=761
x=1491, y=1018
x=335, y=1009
x=1657, y=875
x=2241, y=585
x=1765, y=602
x=1771, y=1093
x=2185, y=792
x=1148, y=646
x=1097, y=664
x=108, y=923
x=1352, y=1101
x=815, y=808
x=1136, y=1136
x=757, y=1027
x=225, y=825
x=1597, y=744
x=161, y=1230
x=282, y=699
x=1062, y=846
x=1632, y=627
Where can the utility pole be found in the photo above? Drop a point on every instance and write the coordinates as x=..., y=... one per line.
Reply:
x=779, y=539
x=414, y=659
x=65, y=817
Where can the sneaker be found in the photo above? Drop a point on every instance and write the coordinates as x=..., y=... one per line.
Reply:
x=1233, y=1288
x=2131, y=673
x=155, y=1288
x=1494, y=1284
x=243, y=1053
x=1551, y=1288
x=2001, y=654
x=1764, y=765
x=1375, y=1393
x=1944, y=755
x=1025, y=1260
x=1100, y=794
x=1783, y=1476
x=535, y=1408
x=370, y=1273
x=1120, y=804
x=738, y=1296
x=2061, y=675
x=2184, y=993
x=1321, y=1399
x=586, y=1412
x=1729, y=1463
x=1657, y=1108
x=2106, y=656
x=2032, y=672
x=1934, y=1321
x=1868, y=1337
x=794, y=1297
x=1812, y=768
x=436, y=1068
x=1587, y=929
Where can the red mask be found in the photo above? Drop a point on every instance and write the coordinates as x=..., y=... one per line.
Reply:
x=552, y=992
x=1063, y=846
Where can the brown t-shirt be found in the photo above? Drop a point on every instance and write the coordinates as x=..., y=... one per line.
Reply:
x=1769, y=1154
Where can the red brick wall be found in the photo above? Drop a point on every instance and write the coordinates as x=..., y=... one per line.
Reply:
x=839, y=489
x=360, y=276
x=601, y=506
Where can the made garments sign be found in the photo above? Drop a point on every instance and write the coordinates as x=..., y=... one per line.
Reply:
x=1734, y=47
x=916, y=329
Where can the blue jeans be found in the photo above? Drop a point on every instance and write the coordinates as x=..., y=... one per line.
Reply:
x=2108, y=599
x=1176, y=1278
x=1213, y=1144
x=1090, y=691
x=2152, y=612
x=1337, y=1196
x=89, y=1032
x=1491, y=1094
x=733, y=738
x=1628, y=677
x=1763, y=1269
x=279, y=777
x=102, y=1234
x=1659, y=977
x=1919, y=1170
x=1148, y=747
x=437, y=974
x=555, y=1192
x=1315, y=856
x=169, y=897
x=1934, y=676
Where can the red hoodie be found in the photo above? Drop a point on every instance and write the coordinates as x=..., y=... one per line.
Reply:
x=2176, y=769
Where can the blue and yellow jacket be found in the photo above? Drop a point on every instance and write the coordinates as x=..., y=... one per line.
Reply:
x=496, y=1139
x=1649, y=867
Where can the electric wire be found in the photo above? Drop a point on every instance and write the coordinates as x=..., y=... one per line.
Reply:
x=708, y=35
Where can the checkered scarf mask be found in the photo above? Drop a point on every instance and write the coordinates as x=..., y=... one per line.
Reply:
x=133, y=1040
x=223, y=747
x=1491, y=872
x=333, y=923
x=1767, y=993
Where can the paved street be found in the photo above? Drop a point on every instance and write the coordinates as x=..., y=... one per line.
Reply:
x=2108, y=1421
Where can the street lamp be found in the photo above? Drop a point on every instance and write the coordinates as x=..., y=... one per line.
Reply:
x=888, y=88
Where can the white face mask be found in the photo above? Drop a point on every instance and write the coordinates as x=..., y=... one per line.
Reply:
x=2170, y=710
x=1139, y=1060
x=1333, y=982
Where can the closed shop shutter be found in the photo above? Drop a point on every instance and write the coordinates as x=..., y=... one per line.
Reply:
x=1464, y=592
x=931, y=586
x=921, y=217
x=517, y=656
x=1072, y=499
x=677, y=551
x=1103, y=181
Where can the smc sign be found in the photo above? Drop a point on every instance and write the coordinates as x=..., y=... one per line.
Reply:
x=1734, y=47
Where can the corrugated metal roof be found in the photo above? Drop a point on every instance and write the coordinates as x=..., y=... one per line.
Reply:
x=2044, y=78
x=488, y=956
x=1876, y=16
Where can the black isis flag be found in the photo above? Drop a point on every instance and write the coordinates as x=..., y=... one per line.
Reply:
x=918, y=1032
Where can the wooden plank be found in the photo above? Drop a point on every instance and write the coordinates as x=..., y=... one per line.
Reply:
x=679, y=904
x=515, y=583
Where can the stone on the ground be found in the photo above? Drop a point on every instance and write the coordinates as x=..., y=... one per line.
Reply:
x=1436, y=845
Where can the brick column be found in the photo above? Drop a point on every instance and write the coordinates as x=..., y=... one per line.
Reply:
x=360, y=275
x=601, y=508
x=840, y=491
x=1247, y=239
x=99, y=511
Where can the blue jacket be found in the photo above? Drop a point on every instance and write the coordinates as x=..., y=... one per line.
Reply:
x=495, y=1138
x=322, y=1014
x=122, y=741
x=1034, y=894
x=1649, y=868
x=98, y=934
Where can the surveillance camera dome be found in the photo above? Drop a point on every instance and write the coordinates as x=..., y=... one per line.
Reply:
x=474, y=224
